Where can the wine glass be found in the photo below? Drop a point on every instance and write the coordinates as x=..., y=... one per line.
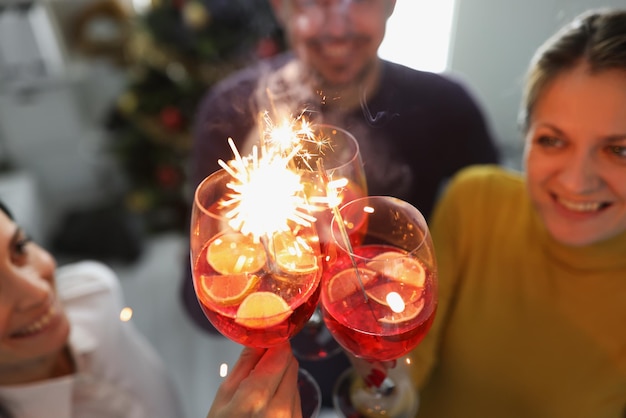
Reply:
x=379, y=297
x=257, y=284
x=332, y=157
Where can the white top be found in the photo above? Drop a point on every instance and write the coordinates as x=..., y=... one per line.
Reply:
x=119, y=373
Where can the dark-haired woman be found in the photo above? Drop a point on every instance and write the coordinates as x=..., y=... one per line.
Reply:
x=64, y=352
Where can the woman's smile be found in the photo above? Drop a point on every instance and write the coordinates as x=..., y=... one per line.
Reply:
x=43, y=323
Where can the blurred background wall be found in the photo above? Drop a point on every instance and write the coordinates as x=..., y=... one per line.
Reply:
x=492, y=44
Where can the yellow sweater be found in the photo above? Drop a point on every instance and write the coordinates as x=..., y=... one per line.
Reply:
x=525, y=327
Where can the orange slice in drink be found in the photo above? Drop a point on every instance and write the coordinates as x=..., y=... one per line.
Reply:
x=345, y=283
x=235, y=253
x=408, y=313
x=293, y=254
x=399, y=267
x=228, y=289
x=262, y=310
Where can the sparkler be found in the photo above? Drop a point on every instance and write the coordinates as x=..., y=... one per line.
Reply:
x=292, y=133
x=260, y=178
x=334, y=201
x=270, y=174
x=286, y=134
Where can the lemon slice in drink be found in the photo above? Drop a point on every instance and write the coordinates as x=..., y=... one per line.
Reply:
x=293, y=254
x=410, y=312
x=399, y=267
x=228, y=290
x=262, y=310
x=235, y=253
x=345, y=283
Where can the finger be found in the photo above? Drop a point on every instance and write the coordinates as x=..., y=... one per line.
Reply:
x=281, y=401
x=274, y=362
x=286, y=401
x=248, y=360
x=297, y=412
x=259, y=388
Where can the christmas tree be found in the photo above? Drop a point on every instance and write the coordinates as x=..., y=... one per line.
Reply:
x=176, y=51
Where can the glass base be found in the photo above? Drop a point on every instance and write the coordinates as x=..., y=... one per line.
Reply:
x=352, y=399
x=310, y=395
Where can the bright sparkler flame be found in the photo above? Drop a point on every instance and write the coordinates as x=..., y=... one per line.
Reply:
x=289, y=136
x=257, y=180
x=290, y=133
x=287, y=133
x=272, y=176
